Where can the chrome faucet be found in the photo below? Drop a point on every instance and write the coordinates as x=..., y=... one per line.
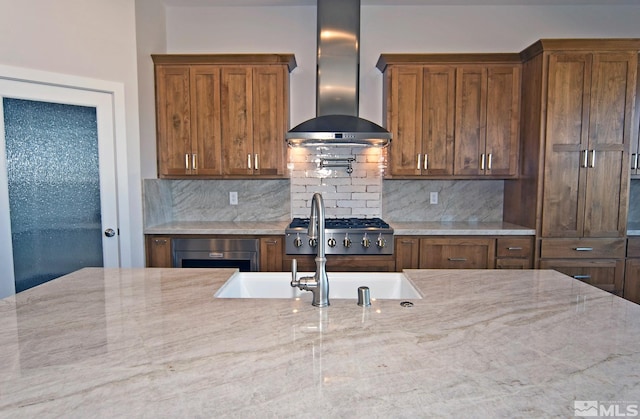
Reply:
x=319, y=283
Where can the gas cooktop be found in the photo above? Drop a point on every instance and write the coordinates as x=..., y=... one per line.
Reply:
x=339, y=223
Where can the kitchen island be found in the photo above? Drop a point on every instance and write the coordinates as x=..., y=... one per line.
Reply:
x=156, y=343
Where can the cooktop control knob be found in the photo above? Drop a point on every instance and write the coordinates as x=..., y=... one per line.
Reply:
x=346, y=242
x=381, y=242
x=366, y=242
x=297, y=242
x=331, y=242
x=313, y=242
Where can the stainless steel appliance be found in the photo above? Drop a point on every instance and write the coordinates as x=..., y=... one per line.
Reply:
x=243, y=254
x=343, y=236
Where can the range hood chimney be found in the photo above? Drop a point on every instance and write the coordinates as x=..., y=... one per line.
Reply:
x=337, y=78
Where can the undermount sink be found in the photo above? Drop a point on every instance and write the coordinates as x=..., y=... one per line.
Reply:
x=342, y=285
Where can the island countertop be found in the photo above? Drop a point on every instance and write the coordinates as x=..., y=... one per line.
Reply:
x=156, y=343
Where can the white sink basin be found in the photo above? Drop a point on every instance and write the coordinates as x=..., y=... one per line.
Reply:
x=342, y=285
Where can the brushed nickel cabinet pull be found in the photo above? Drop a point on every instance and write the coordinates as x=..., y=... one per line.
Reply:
x=583, y=249
x=585, y=158
x=418, y=161
x=634, y=157
x=194, y=161
x=255, y=162
x=593, y=158
x=160, y=241
x=249, y=161
x=514, y=248
x=482, y=162
x=426, y=160
x=582, y=276
x=489, y=161
x=186, y=161
x=458, y=259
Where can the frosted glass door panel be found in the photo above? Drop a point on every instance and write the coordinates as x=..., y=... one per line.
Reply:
x=54, y=189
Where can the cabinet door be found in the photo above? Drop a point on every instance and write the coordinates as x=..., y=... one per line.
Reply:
x=271, y=251
x=610, y=123
x=502, y=126
x=269, y=120
x=606, y=274
x=206, y=159
x=457, y=253
x=173, y=122
x=236, y=121
x=438, y=121
x=470, y=135
x=632, y=281
x=404, y=119
x=158, y=252
x=566, y=144
x=407, y=251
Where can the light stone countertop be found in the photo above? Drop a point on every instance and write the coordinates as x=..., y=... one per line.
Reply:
x=155, y=343
x=278, y=228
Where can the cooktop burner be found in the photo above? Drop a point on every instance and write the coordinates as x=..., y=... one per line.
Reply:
x=341, y=223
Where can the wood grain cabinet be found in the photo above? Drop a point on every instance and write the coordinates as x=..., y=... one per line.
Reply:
x=158, y=251
x=271, y=251
x=222, y=116
x=577, y=125
x=452, y=115
x=632, y=271
x=514, y=253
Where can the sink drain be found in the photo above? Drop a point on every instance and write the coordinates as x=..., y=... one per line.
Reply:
x=406, y=304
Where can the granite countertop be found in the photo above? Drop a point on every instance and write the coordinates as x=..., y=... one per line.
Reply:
x=278, y=228
x=155, y=343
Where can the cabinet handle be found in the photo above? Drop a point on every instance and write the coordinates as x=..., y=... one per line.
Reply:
x=426, y=161
x=186, y=161
x=160, y=241
x=482, y=162
x=272, y=241
x=406, y=241
x=489, y=161
x=585, y=158
x=419, y=161
x=255, y=162
x=514, y=248
x=194, y=161
x=634, y=157
x=583, y=249
x=457, y=259
x=593, y=158
x=582, y=276
x=249, y=161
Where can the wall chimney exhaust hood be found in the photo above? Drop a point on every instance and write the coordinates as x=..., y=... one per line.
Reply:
x=337, y=78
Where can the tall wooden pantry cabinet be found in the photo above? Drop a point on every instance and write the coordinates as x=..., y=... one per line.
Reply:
x=576, y=125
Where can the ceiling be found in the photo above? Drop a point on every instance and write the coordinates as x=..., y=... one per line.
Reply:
x=207, y=3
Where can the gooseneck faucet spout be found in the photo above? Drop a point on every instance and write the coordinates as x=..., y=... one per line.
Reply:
x=319, y=283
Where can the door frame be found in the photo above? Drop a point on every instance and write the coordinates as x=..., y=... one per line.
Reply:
x=116, y=92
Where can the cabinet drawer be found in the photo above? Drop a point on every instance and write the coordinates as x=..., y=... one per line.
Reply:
x=582, y=248
x=605, y=274
x=633, y=247
x=519, y=247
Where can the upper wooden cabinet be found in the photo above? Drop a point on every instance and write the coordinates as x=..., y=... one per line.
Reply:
x=222, y=116
x=452, y=115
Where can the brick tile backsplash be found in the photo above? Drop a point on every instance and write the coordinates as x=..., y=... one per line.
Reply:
x=358, y=194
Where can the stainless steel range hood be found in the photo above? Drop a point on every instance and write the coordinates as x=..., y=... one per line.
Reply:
x=337, y=122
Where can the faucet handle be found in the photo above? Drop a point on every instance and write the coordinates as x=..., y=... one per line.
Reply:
x=294, y=273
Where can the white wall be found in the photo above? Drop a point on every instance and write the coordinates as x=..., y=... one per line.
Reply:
x=387, y=29
x=87, y=38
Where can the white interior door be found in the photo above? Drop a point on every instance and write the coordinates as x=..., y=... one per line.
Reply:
x=102, y=103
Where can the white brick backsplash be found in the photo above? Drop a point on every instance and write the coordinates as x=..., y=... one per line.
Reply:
x=344, y=195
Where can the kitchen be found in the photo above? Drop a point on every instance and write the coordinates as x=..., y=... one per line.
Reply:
x=434, y=29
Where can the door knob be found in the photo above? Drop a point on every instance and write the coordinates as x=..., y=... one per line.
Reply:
x=109, y=232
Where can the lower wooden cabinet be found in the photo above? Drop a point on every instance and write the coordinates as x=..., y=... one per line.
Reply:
x=460, y=252
x=632, y=271
x=158, y=251
x=271, y=251
x=457, y=253
x=606, y=274
x=336, y=263
x=596, y=261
